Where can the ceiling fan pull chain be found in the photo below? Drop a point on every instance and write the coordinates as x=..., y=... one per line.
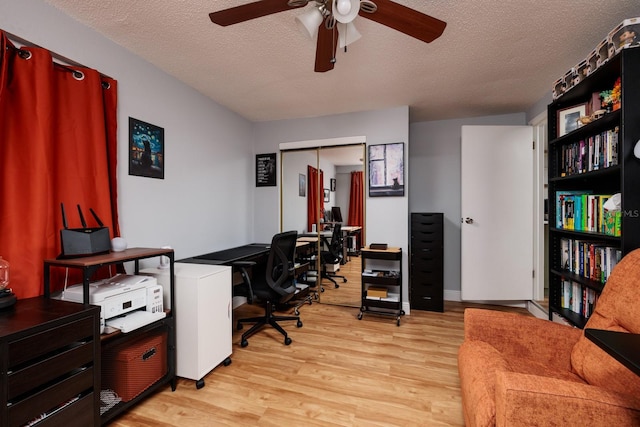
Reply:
x=333, y=37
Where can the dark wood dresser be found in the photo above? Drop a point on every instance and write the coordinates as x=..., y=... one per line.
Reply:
x=50, y=363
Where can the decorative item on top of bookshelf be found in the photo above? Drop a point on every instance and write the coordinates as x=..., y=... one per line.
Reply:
x=569, y=118
x=626, y=34
x=580, y=72
x=592, y=61
x=558, y=88
x=605, y=51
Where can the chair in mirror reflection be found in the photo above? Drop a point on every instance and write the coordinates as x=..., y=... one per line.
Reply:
x=332, y=255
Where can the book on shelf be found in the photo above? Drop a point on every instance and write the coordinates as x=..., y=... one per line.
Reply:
x=595, y=152
x=591, y=260
x=577, y=298
x=583, y=211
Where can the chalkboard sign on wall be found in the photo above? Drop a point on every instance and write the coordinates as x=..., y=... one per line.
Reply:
x=266, y=170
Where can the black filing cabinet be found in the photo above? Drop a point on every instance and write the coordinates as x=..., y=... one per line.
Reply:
x=426, y=276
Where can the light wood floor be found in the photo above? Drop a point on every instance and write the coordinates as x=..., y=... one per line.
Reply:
x=349, y=292
x=339, y=371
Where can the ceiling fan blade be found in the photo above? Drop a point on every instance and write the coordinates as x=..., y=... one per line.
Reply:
x=326, y=48
x=406, y=20
x=253, y=10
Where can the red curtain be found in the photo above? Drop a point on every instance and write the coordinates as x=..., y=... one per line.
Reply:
x=356, y=199
x=57, y=145
x=315, y=196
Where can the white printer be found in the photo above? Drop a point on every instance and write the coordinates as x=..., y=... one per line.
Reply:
x=120, y=294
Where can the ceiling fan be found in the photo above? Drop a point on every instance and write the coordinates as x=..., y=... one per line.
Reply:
x=332, y=20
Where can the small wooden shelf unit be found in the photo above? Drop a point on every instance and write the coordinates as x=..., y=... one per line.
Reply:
x=382, y=282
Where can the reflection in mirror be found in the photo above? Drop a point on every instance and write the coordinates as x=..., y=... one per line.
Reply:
x=340, y=167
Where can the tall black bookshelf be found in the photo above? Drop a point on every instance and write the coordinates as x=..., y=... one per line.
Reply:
x=572, y=172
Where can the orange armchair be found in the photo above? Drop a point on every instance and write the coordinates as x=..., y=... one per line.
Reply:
x=517, y=370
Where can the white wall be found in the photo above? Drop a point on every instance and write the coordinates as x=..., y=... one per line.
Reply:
x=205, y=201
x=386, y=218
x=435, y=181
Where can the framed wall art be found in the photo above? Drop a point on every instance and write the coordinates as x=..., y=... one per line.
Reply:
x=569, y=118
x=386, y=170
x=146, y=149
x=266, y=170
x=302, y=185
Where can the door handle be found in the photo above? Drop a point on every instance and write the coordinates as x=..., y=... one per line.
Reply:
x=468, y=220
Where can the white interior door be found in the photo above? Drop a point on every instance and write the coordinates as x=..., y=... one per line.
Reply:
x=497, y=213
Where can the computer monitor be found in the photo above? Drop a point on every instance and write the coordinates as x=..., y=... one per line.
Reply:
x=336, y=214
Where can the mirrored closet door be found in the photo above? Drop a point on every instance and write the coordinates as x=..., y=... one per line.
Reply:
x=322, y=191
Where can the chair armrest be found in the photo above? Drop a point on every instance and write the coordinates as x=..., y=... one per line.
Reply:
x=533, y=400
x=243, y=266
x=517, y=336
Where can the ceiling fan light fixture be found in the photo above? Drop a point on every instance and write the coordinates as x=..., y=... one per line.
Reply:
x=345, y=11
x=309, y=22
x=347, y=34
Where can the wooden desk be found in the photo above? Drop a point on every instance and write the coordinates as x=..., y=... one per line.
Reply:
x=622, y=346
x=308, y=239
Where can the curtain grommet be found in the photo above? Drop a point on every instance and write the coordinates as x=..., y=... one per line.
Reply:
x=24, y=54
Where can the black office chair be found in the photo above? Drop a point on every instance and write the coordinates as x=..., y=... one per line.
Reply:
x=275, y=285
x=333, y=254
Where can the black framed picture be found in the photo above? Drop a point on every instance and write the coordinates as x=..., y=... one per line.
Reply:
x=386, y=170
x=266, y=170
x=146, y=149
x=332, y=185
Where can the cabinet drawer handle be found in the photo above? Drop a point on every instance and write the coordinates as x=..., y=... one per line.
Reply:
x=149, y=354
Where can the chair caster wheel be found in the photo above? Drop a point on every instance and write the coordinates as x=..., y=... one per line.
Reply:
x=227, y=361
x=287, y=340
x=244, y=343
x=299, y=324
x=360, y=316
x=337, y=286
x=322, y=290
x=199, y=384
x=296, y=312
x=398, y=321
x=344, y=280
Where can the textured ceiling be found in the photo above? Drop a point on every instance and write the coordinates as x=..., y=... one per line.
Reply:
x=494, y=57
